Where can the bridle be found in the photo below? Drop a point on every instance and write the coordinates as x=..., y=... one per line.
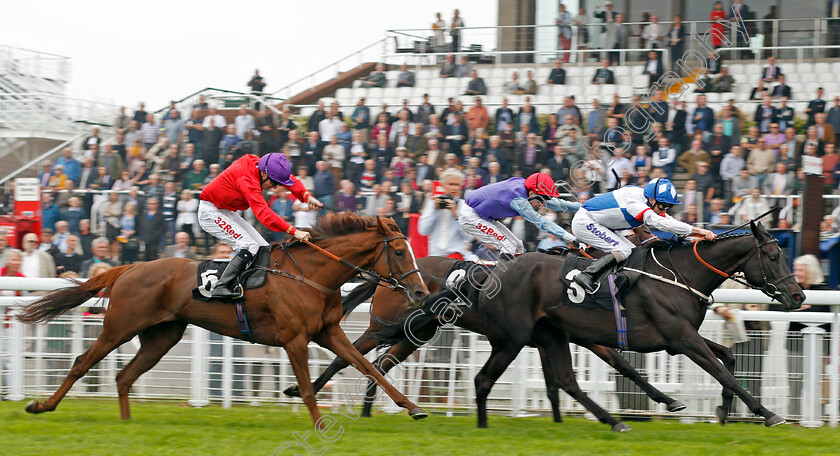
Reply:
x=391, y=282
x=769, y=288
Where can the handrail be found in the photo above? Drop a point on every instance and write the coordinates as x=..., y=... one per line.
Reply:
x=42, y=157
x=595, y=24
x=200, y=92
x=327, y=67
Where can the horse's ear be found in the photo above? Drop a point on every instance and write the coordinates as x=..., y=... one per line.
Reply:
x=753, y=227
x=381, y=225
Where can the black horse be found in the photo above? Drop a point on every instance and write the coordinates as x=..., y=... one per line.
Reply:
x=660, y=315
x=387, y=306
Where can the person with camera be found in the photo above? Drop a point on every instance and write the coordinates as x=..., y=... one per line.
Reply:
x=439, y=219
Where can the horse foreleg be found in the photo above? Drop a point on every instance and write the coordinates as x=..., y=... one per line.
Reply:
x=104, y=344
x=154, y=343
x=728, y=359
x=333, y=338
x=614, y=359
x=552, y=388
x=364, y=344
x=500, y=358
x=560, y=359
x=298, y=351
x=693, y=346
x=396, y=354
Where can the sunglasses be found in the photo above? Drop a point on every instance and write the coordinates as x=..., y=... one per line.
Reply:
x=664, y=206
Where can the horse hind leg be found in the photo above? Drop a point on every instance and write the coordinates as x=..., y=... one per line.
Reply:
x=614, y=359
x=107, y=341
x=552, y=388
x=557, y=349
x=155, y=342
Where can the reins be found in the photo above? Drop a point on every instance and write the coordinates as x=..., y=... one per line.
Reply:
x=368, y=275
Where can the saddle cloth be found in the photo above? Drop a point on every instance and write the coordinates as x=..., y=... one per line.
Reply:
x=466, y=279
x=602, y=299
x=209, y=271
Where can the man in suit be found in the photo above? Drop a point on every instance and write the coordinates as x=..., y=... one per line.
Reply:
x=765, y=115
x=771, y=72
x=781, y=90
x=739, y=10
x=815, y=106
x=607, y=17
x=653, y=68
x=530, y=155
x=778, y=183
x=603, y=75
x=447, y=68
x=434, y=156
x=100, y=248
x=714, y=62
x=36, y=263
x=152, y=228
x=558, y=74
x=476, y=85
x=424, y=169
x=617, y=37
x=181, y=248
x=825, y=131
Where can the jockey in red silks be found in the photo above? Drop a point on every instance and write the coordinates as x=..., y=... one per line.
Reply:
x=239, y=187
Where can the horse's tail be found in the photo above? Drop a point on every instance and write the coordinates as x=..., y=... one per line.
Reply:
x=64, y=299
x=413, y=321
x=359, y=295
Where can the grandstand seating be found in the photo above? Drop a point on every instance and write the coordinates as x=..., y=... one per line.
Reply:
x=804, y=79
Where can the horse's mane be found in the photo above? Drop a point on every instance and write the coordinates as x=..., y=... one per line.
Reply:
x=344, y=223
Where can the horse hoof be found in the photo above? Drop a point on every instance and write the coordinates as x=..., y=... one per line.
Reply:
x=774, y=420
x=676, y=406
x=721, y=415
x=621, y=427
x=292, y=391
x=32, y=407
x=418, y=414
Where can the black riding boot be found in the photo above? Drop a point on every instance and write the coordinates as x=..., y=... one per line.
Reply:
x=228, y=287
x=592, y=276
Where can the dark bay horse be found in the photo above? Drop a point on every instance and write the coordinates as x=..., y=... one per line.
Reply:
x=154, y=301
x=660, y=316
x=389, y=306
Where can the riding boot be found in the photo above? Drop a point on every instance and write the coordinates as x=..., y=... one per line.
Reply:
x=228, y=286
x=592, y=276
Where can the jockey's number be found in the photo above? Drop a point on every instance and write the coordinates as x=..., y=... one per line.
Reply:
x=575, y=292
x=225, y=226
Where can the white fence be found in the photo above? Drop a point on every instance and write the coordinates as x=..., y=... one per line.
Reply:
x=794, y=376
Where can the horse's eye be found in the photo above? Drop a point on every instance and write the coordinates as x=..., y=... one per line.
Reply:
x=399, y=253
x=774, y=258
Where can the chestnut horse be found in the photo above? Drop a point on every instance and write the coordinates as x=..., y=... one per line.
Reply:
x=154, y=301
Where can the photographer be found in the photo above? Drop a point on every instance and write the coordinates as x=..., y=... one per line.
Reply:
x=439, y=220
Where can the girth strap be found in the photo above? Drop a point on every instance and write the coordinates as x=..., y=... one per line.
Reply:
x=303, y=279
x=243, y=320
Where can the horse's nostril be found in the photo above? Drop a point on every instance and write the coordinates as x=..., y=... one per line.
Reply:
x=421, y=294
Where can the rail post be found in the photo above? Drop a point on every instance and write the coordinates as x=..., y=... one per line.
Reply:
x=198, y=374
x=16, y=349
x=812, y=375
